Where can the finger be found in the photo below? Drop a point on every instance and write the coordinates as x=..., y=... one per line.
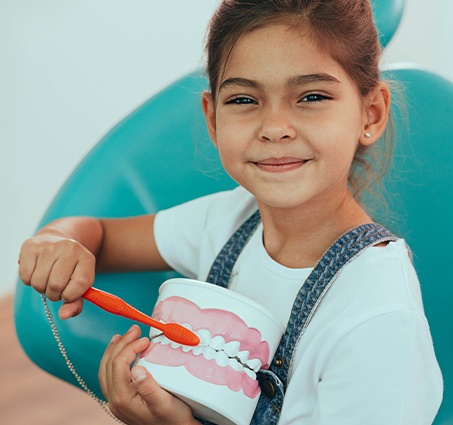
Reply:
x=133, y=334
x=120, y=387
x=27, y=264
x=102, y=374
x=59, y=277
x=115, y=346
x=159, y=401
x=72, y=309
x=121, y=363
x=115, y=373
x=41, y=272
x=81, y=279
x=145, y=384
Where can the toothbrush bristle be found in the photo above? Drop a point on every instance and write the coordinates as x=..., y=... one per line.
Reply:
x=181, y=335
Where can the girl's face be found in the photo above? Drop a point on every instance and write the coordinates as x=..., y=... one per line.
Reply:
x=287, y=119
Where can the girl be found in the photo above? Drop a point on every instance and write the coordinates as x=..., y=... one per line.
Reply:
x=295, y=102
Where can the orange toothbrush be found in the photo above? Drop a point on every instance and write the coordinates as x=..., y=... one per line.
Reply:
x=116, y=305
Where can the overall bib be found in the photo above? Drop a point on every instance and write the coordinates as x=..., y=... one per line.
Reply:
x=273, y=382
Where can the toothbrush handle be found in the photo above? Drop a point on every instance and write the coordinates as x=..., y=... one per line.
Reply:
x=116, y=305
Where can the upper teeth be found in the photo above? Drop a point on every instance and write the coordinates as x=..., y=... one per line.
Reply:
x=224, y=353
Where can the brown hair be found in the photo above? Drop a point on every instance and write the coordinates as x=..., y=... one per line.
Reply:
x=344, y=27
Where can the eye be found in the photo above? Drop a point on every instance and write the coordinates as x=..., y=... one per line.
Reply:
x=314, y=97
x=241, y=100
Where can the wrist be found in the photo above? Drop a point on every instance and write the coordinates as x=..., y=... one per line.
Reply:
x=87, y=231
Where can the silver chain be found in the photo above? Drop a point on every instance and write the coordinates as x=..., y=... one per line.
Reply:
x=71, y=367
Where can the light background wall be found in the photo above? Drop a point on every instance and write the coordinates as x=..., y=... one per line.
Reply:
x=70, y=70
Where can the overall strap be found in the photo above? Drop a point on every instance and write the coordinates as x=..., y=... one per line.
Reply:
x=274, y=381
x=222, y=267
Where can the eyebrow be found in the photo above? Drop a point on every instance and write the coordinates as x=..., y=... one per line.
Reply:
x=297, y=80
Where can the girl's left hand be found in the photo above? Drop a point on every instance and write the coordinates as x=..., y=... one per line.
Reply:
x=134, y=396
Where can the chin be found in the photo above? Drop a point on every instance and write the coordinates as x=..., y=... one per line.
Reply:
x=280, y=201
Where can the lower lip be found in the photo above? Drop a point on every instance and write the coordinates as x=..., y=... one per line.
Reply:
x=280, y=168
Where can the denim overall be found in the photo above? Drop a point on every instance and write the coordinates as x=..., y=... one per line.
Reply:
x=273, y=381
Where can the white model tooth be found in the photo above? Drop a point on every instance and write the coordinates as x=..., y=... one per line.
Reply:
x=186, y=348
x=198, y=350
x=232, y=348
x=204, y=335
x=254, y=364
x=221, y=358
x=235, y=365
x=175, y=345
x=209, y=353
x=243, y=356
x=187, y=325
x=250, y=373
x=165, y=341
x=159, y=338
x=217, y=343
x=153, y=332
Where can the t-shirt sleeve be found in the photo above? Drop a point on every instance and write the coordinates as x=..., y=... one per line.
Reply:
x=382, y=372
x=177, y=232
x=189, y=236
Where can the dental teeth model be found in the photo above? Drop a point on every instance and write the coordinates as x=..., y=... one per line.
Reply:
x=215, y=348
x=218, y=377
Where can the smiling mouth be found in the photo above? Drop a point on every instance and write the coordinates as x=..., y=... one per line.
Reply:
x=278, y=165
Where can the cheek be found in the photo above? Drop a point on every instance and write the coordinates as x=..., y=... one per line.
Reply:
x=335, y=151
x=227, y=149
x=232, y=139
x=336, y=137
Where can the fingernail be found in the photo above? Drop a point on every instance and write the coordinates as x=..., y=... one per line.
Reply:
x=132, y=328
x=138, y=374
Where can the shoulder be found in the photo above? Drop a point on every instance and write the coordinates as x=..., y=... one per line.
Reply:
x=373, y=316
x=380, y=284
x=190, y=235
x=227, y=205
x=387, y=275
x=218, y=214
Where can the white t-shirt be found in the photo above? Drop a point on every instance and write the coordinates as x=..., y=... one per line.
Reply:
x=367, y=356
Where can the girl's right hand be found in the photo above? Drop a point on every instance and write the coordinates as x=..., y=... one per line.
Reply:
x=133, y=395
x=59, y=267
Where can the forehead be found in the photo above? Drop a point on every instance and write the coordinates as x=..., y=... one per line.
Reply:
x=278, y=51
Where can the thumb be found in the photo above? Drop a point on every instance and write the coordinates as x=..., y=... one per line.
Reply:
x=162, y=404
x=70, y=309
x=145, y=385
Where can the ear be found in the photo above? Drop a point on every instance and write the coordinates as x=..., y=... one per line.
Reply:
x=376, y=114
x=208, y=106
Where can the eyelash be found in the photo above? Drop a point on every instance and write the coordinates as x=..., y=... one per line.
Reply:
x=241, y=100
x=308, y=98
x=314, y=97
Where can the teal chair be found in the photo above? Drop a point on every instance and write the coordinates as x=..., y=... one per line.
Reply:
x=161, y=156
x=420, y=195
x=157, y=157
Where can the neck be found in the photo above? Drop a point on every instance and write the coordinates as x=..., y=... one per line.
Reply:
x=298, y=237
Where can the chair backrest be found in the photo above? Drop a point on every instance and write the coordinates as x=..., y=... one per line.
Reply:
x=420, y=188
x=160, y=156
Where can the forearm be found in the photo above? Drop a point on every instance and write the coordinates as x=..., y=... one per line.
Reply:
x=119, y=244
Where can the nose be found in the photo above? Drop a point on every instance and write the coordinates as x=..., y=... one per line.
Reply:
x=276, y=125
